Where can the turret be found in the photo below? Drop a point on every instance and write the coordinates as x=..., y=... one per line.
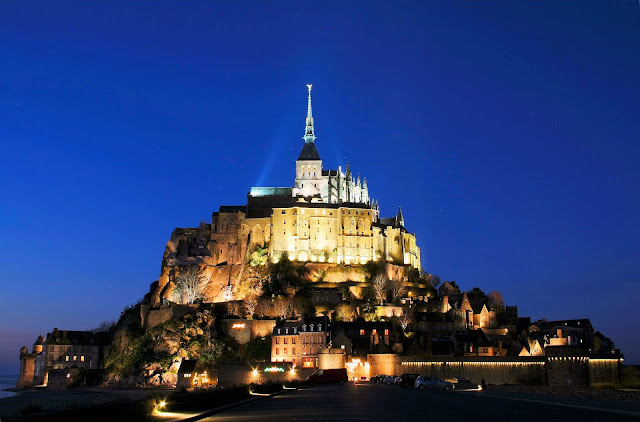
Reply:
x=399, y=217
x=38, y=345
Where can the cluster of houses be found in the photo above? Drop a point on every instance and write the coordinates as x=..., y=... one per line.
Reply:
x=457, y=325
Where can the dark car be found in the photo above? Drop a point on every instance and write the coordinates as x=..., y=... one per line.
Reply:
x=408, y=380
x=329, y=376
x=465, y=384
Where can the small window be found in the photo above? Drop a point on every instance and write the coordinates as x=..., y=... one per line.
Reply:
x=277, y=340
x=362, y=331
x=285, y=351
x=374, y=332
x=277, y=351
x=286, y=340
x=293, y=350
x=386, y=331
x=284, y=211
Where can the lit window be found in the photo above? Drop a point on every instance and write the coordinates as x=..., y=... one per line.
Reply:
x=362, y=331
x=277, y=340
x=285, y=351
x=293, y=350
x=293, y=340
x=81, y=358
x=374, y=332
x=386, y=331
x=75, y=358
x=66, y=358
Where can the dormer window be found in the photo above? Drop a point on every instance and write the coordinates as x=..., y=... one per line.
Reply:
x=319, y=327
x=304, y=327
x=311, y=327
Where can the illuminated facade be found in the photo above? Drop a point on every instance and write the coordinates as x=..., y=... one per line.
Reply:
x=327, y=216
x=299, y=342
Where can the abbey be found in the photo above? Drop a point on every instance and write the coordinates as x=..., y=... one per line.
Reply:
x=327, y=216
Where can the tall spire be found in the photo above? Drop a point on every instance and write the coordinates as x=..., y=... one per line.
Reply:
x=308, y=132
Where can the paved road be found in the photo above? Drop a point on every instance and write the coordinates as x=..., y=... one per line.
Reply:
x=367, y=402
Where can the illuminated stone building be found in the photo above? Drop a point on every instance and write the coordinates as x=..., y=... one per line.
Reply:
x=62, y=350
x=327, y=216
x=299, y=342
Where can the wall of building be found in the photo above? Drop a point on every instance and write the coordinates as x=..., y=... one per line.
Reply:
x=383, y=364
x=232, y=375
x=27, y=370
x=332, y=359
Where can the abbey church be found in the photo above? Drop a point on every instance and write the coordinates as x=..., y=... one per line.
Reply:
x=327, y=217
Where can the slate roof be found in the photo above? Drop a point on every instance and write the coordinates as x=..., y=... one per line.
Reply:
x=187, y=366
x=309, y=152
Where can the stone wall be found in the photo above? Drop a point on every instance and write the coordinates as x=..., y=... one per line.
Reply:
x=156, y=317
x=604, y=373
x=245, y=330
x=332, y=359
x=493, y=370
x=27, y=370
x=233, y=375
x=568, y=371
x=383, y=364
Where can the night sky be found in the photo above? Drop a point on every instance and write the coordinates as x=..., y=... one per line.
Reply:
x=509, y=132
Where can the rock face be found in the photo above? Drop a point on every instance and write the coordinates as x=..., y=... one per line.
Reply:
x=153, y=356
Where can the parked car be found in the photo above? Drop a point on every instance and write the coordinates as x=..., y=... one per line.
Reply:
x=389, y=380
x=434, y=383
x=408, y=380
x=362, y=379
x=378, y=378
x=465, y=384
x=329, y=376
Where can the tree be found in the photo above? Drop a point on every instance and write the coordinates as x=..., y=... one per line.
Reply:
x=254, y=278
x=345, y=312
x=250, y=305
x=283, y=306
x=398, y=289
x=263, y=307
x=496, y=301
x=104, y=327
x=234, y=308
x=379, y=286
x=189, y=286
x=435, y=281
x=259, y=256
x=406, y=318
x=478, y=293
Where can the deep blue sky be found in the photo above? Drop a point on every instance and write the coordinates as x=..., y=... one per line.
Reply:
x=509, y=133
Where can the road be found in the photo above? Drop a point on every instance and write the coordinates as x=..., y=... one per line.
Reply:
x=370, y=402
